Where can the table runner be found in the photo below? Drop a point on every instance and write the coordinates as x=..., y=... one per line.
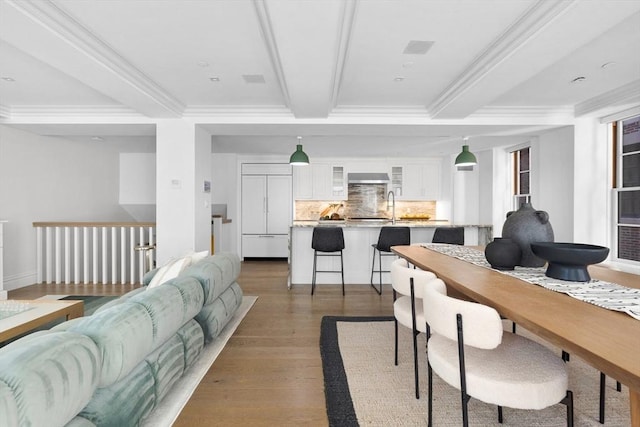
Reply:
x=611, y=296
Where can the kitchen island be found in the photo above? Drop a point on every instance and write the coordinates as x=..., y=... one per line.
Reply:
x=358, y=253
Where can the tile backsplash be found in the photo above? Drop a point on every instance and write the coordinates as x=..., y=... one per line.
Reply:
x=311, y=209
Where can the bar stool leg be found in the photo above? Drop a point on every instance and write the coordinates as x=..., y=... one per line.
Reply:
x=313, y=279
x=342, y=272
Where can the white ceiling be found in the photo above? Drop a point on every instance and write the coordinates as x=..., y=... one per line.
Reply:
x=498, y=71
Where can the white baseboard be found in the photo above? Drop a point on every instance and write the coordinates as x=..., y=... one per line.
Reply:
x=18, y=281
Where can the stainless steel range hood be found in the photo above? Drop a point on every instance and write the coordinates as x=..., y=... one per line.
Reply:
x=368, y=178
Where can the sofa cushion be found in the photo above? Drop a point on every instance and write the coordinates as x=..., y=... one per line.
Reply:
x=215, y=273
x=125, y=402
x=124, y=334
x=171, y=305
x=8, y=406
x=213, y=317
x=51, y=377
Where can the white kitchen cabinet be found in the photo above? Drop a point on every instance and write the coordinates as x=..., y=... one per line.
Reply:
x=319, y=181
x=266, y=215
x=416, y=181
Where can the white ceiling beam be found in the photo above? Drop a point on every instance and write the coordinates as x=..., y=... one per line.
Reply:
x=307, y=69
x=45, y=31
x=453, y=102
x=545, y=34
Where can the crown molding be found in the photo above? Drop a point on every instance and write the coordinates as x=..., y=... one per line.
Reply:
x=70, y=112
x=529, y=24
x=57, y=21
x=238, y=111
x=379, y=111
x=266, y=29
x=564, y=113
x=629, y=93
x=5, y=111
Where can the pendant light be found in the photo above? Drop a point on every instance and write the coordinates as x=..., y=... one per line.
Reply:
x=466, y=157
x=299, y=157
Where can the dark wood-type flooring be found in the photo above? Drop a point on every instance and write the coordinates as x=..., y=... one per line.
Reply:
x=270, y=372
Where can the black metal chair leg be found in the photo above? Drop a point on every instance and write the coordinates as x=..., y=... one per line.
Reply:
x=500, y=414
x=373, y=268
x=430, y=390
x=603, y=386
x=342, y=272
x=568, y=400
x=313, y=279
x=396, y=350
x=380, y=265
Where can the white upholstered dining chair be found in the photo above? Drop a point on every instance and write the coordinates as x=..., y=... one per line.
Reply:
x=469, y=350
x=408, y=283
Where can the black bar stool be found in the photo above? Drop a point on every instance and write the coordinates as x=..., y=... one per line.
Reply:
x=389, y=236
x=327, y=241
x=452, y=235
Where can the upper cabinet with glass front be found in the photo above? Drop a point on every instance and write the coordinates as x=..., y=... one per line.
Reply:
x=319, y=181
x=416, y=180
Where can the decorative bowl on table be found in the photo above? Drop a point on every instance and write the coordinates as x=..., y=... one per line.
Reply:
x=569, y=261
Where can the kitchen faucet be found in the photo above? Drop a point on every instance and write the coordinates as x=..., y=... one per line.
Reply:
x=393, y=211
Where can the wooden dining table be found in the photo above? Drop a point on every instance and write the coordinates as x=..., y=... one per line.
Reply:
x=607, y=340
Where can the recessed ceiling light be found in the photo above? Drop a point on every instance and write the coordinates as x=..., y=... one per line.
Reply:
x=579, y=79
x=608, y=65
x=253, y=78
x=398, y=79
x=97, y=138
x=417, y=47
x=214, y=79
x=8, y=79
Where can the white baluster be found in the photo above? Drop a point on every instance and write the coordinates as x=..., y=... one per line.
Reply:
x=58, y=256
x=114, y=255
x=39, y=259
x=105, y=252
x=76, y=255
x=85, y=254
x=67, y=255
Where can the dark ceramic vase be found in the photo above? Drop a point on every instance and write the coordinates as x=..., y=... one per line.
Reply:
x=527, y=225
x=503, y=254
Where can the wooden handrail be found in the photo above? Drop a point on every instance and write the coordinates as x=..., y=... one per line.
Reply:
x=94, y=224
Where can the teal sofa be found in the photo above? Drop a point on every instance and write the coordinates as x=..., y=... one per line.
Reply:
x=114, y=367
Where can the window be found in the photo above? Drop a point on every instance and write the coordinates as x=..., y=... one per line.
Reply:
x=627, y=143
x=521, y=177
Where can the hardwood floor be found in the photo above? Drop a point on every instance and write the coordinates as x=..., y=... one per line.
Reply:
x=270, y=372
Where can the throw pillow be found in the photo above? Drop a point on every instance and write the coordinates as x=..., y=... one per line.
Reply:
x=197, y=256
x=170, y=270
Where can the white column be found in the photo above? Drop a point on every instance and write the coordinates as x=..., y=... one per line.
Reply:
x=183, y=214
x=592, y=180
x=3, y=292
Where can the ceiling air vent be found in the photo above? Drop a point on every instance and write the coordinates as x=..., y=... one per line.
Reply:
x=417, y=47
x=253, y=78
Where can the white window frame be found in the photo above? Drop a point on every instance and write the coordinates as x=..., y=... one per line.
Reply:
x=515, y=185
x=614, y=202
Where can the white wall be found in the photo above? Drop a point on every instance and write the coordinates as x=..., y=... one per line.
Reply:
x=225, y=189
x=592, y=177
x=51, y=179
x=553, y=180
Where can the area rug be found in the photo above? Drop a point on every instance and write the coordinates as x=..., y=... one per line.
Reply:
x=364, y=387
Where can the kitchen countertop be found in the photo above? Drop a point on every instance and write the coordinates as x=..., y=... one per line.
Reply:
x=382, y=223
